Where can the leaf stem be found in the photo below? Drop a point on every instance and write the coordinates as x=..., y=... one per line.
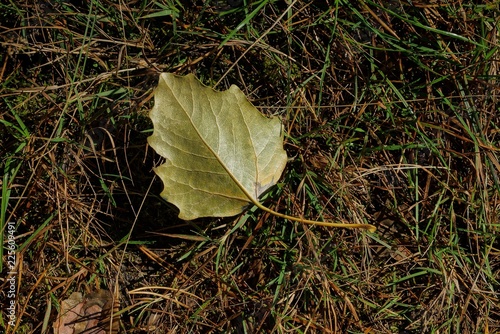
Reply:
x=368, y=227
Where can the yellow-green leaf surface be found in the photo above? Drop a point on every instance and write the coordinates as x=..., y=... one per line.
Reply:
x=221, y=152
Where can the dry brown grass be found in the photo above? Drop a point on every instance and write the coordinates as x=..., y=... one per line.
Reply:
x=391, y=117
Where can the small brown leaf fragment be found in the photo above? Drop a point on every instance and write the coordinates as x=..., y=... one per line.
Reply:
x=86, y=315
x=71, y=310
x=93, y=315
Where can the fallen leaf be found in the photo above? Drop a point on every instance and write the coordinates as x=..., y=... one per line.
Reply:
x=86, y=315
x=71, y=310
x=221, y=152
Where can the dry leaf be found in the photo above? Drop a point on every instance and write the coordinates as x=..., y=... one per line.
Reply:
x=89, y=315
x=221, y=152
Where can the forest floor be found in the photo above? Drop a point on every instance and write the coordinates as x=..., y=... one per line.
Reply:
x=391, y=117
